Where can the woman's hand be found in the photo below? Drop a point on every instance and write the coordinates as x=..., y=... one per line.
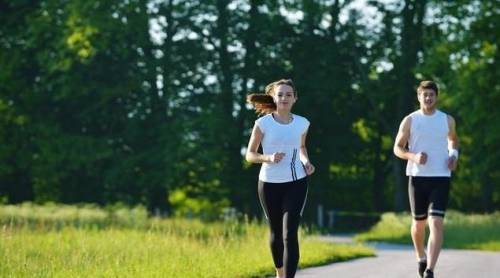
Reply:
x=452, y=163
x=276, y=157
x=309, y=168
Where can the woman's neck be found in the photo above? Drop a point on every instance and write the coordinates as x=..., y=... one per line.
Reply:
x=282, y=116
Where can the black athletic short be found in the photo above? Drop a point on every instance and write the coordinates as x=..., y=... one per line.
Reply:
x=428, y=195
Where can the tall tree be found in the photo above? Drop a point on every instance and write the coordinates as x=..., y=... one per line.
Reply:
x=412, y=16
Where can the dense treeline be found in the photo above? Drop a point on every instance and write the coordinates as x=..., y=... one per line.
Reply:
x=144, y=101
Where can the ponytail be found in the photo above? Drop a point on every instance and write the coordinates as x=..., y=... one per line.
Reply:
x=263, y=103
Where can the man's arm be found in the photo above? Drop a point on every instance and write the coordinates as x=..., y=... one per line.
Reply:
x=402, y=138
x=452, y=144
x=452, y=134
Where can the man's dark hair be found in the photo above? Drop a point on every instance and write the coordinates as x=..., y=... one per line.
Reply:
x=427, y=84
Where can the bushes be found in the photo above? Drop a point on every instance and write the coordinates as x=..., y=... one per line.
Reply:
x=52, y=216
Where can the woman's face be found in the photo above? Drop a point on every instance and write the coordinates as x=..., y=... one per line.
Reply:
x=284, y=97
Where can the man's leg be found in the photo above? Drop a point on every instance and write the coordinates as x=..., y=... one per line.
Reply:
x=435, y=240
x=418, y=237
x=438, y=203
x=418, y=194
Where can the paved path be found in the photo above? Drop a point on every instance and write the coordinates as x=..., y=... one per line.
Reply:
x=398, y=261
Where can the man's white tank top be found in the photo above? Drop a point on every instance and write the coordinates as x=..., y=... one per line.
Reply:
x=284, y=138
x=429, y=134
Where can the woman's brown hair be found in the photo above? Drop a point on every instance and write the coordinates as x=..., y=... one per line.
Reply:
x=264, y=103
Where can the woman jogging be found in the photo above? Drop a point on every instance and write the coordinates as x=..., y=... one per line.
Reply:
x=282, y=185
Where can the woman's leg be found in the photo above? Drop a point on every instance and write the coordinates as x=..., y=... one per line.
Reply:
x=294, y=202
x=271, y=199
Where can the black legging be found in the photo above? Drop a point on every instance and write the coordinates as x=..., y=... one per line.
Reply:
x=283, y=204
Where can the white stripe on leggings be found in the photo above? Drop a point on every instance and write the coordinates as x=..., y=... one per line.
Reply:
x=305, y=199
x=263, y=208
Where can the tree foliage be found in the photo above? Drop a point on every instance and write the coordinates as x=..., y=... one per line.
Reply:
x=143, y=102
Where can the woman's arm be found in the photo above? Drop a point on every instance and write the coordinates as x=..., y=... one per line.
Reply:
x=253, y=155
x=304, y=157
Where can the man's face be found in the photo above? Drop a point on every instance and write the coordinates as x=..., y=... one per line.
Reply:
x=427, y=99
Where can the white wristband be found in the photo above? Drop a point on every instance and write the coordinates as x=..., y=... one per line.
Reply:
x=453, y=152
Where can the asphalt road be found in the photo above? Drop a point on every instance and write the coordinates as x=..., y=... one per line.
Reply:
x=398, y=261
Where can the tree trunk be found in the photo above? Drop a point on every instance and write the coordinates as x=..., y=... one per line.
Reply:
x=229, y=130
x=411, y=44
x=249, y=70
x=378, y=176
x=487, y=193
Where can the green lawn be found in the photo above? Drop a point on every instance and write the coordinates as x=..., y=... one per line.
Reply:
x=462, y=231
x=62, y=244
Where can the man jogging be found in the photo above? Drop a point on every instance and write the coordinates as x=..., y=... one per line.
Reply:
x=432, y=154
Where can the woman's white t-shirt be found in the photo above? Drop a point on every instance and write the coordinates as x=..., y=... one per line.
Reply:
x=285, y=138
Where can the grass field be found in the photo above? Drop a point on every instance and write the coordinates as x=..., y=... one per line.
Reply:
x=67, y=241
x=474, y=231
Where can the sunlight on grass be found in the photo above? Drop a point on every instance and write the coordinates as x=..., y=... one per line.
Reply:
x=72, y=245
x=474, y=231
